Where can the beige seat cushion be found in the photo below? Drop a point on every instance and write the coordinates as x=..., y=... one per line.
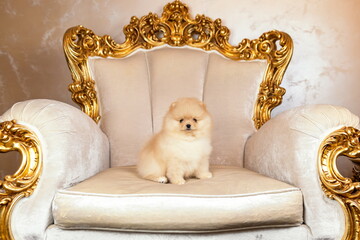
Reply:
x=235, y=198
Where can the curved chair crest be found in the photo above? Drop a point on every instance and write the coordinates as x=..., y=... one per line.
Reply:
x=175, y=27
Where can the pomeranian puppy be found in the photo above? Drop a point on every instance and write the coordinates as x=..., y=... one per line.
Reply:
x=182, y=148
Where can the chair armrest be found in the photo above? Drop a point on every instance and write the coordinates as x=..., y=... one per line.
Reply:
x=72, y=147
x=287, y=148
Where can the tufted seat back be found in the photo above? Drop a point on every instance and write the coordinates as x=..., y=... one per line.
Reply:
x=135, y=92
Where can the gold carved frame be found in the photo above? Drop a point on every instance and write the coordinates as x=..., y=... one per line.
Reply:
x=16, y=137
x=343, y=142
x=175, y=27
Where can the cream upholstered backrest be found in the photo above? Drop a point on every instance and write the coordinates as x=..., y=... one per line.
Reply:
x=128, y=87
x=135, y=92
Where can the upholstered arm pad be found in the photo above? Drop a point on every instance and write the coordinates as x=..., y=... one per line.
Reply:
x=73, y=149
x=286, y=148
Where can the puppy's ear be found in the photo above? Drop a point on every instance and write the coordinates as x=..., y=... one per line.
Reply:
x=202, y=104
x=173, y=105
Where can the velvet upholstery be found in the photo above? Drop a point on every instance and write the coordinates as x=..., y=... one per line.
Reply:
x=74, y=149
x=145, y=84
x=300, y=130
x=238, y=199
x=286, y=148
x=295, y=233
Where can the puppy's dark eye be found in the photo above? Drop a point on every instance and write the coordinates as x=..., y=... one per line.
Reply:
x=181, y=120
x=195, y=120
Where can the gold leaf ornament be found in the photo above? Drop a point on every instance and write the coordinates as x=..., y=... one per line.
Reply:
x=175, y=27
x=16, y=137
x=343, y=142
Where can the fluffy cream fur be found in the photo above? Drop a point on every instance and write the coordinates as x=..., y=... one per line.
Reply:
x=183, y=146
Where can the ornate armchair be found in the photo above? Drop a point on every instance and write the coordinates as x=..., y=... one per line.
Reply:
x=273, y=178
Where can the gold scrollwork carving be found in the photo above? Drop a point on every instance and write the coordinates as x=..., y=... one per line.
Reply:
x=15, y=137
x=175, y=27
x=343, y=142
x=356, y=173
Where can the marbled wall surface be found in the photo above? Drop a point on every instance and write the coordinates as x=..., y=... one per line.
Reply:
x=325, y=67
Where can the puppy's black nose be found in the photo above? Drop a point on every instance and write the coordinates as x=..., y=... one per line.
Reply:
x=188, y=126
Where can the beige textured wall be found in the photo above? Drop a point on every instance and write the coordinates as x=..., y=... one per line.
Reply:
x=325, y=66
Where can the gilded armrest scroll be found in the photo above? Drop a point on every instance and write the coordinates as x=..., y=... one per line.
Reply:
x=16, y=137
x=346, y=142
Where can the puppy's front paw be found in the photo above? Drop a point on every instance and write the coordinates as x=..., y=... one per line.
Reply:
x=204, y=175
x=178, y=181
x=162, y=179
